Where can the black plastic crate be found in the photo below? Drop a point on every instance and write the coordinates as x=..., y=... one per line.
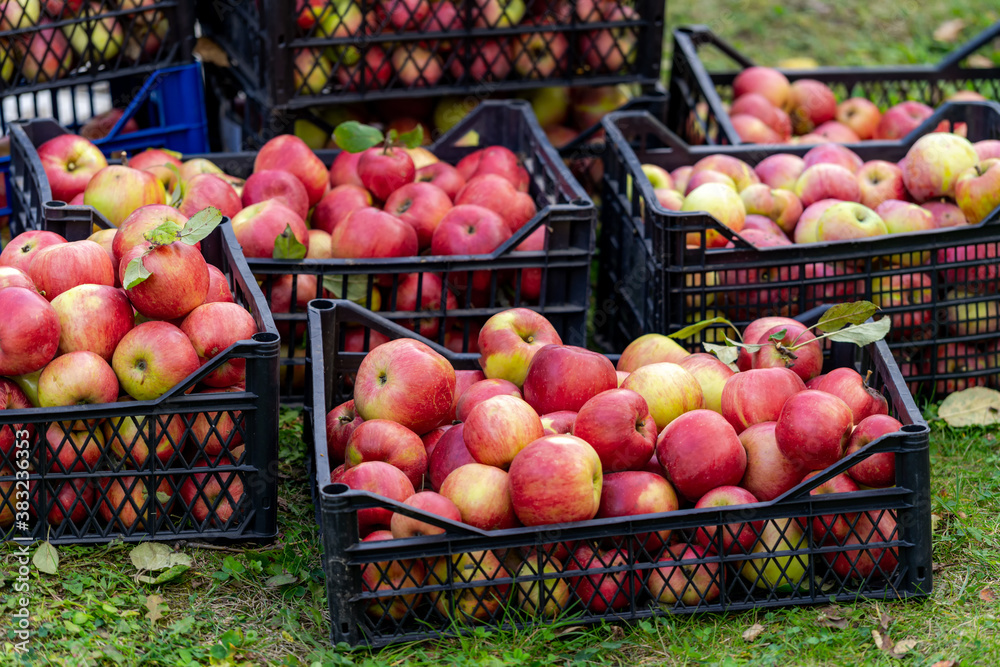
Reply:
x=698, y=97
x=114, y=442
x=415, y=591
x=559, y=273
x=650, y=280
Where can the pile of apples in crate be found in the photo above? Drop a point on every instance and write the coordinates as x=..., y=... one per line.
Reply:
x=57, y=40
x=551, y=434
x=533, y=55
x=71, y=337
x=768, y=109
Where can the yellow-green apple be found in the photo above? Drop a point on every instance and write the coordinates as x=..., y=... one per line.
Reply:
x=426, y=288
x=680, y=177
x=781, y=170
x=901, y=119
x=739, y=171
x=212, y=328
x=481, y=391
x=73, y=451
x=564, y=377
x=970, y=318
x=482, y=493
x=556, y=423
x=384, y=170
x=44, y=53
x=779, y=573
x=177, y=284
x=617, y=424
x=69, y=162
x=417, y=67
x=731, y=537
x=700, y=451
x=258, y=227
x=945, y=214
x=603, y=590
x=878, y=470
x=320, y=245
x=132, y=440
x=344, y=170
x=340, y=424
x=880, y=181
x=392, y=443
x=510, y=339
x=556, y=479
x=827, y=181
x=753, y=130
x=312, y=71
x=658, y=177
x=498, y=428
x=379, y=478
x=71, y=501
x=476, y=603
x=849, y=221
x=769, y=473
x=403, y=526
x=77, y=378
x=422, y=206
x=758, y=106
x=213, y=497
x=498, y=195
x=191, y=168
x=848, y=385
x=765, y=81
x=861, y=115
x=636, y=492
x=805, y=361
x=831, y=528
x=650, y=349
x=335, y=206
x=133, y=229
x=421, y=156
x=58, y=268
x=720, y=202
x=781, y=206
x=369, y=232
x=805, y=229
x=93, y=318
x=831, y=153
x=668, y=389
x=152, y=358
x=117, y=191
x=711, y=373
x=863, y=563
x=814, y=428
x=690, y=584
x=281, y=185
x=977, y=190
x=705, y=176
x=31, y=339
x=757, y=395
x=11, y=277
x=206, y=190
x=444, y=176
x=832, y=130
x=811, y=103
x=934, y=163
x=97, y=39
x=20, y=14
x=547, y=597
x=126, y=505
x=287, y=152
x=215, y=432
x=20, y=251
x=550, y=104
x=986, y=149
x=904, y=294
x=405, y=381
x=450, y=453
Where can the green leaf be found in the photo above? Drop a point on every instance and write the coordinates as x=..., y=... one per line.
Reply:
x=165, y=234
x=153, y=556
x=413, y=138
x=692, y=329
x=286, y=246
x=281, y=580
x=164, y=498
x=182, y=626
x=863, y=334
x=200, y=225
x=354, y=137
x=843, y=314
x=164, y=577
x=357, y=288
x=46, y=558
x=135, y=272
x=778, y=335
x=393, y=137
x=725, y=353
x=177, y=195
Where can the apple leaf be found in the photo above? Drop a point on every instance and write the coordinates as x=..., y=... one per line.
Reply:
x=135, y=272
x=281, y=580
x=164, y=577
x=413, y=138
x=725, y=353
x=200, y=225
x=46, y=558
x=286, y=246
x=975, y=406
x=862, y=334
x=357, y=288
x=692, y=329
x=392, y=137
x=164, y=234
x=778, y=335
x=164, y=498
x=157, y=608
x=177, y=195
x=354, y=137
x=843, y=314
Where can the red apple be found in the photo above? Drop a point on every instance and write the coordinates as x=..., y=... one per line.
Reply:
x=429, y=287
x=636, y=492
x=126, y=505
x=945, y=213
x=878, y=470
x=420, y=205
x=280, y=185
x=711, y=374
x=93, y=318
x=117, y=191
x=11, y=277
x=215, y=432
x=765, y=81
x=832, y=528
x=564, y=377
x=443, y=175
x=617, y=424
x=152, y=358
x=848, y=385
x=379, y=478
x=257, y=227
x=901, y=119
x=369, y=232
x=58, y=268
x=811, y=104
x=213, y=497
x=456, y=600
x=498, y=195
x=732, y=537
x=752, y=335
x=73, y=451
x=805, y=229
x=482, y=494
x=132, y=440
x=68, y=501
x=861, y=115
x=428, y=501
x=132, y=231
x=70, y=162
x=814, y=428
x=177, y=285
x=340, y=424
x=338, y=204
x=827, y=181
x=469, y=230
x=498, y=428
x=481, y=391
x=212, y=328
x=833, y=154
x=880, y=181
x=604, y=590
x=77, y=378
x=700, y=451
x=384, y=170
x=556, y=479
x=805, y=361
x=756, y=396
x=769, y=473
x=449, y=453
x=557, y=423
x=864, y=563
x=31, y=339
x=780, y=170
x=290, y=153
x=650, y=349
x=384, y=440
x=206, y=190
x=690, y=584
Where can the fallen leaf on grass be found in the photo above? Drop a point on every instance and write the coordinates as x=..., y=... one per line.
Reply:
x=975, y=406
x=281, y=580
x=904, y=646
x=153, y=556
x=935, y=522
x=884, y=621
x=946, y=663
x=157, y=608
x=882, y=641
x=986, y=595
x=753, y=632
x=46, y=558
x=829, y=617
x=164, y=577
x=949, y=30
x=979, y=61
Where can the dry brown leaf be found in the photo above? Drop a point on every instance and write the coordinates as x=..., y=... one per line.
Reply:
x=753, y=632
x=882, y=641
x=884, y=621
x=946, y=663
x=904, y=646
x=979, y=61
x=976, y=406
x=156, y=607
x=986, y=595
x=949, y=31
x=830, y=617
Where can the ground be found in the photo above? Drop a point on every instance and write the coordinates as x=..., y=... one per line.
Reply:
x=268, y=605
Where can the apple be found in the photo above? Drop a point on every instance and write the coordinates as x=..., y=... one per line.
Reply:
x=132, y=440
x=814, y=428
x=906, y=293
x=498, y=428
x=70, y=161
x=720, y=202
x=945, y=214
x=77, y=378
x=289, y=153
x=498, y=195
x=650, y=349
x=831, y=528
x=835, y=131
x=206, y=190
x=11, y=277
x=658, y=177
x=21, y=250
x=565, y=377
x=379, y=478
x=636, y=492
x=384, y=440
x=690, y=584
x=152, y=358
x=125, y=503
x=757, y=395
x=31, y=339
x=831, y=153
x=848, y=385
x=428, y=501
x=611, y=49
x=733, y=537
x=70, y=501
x=344, y=170
x=780, y=170
x=668, y=389
x=133, y=229
x=482, y=494
x=934, y=164
x=878, y=470
x=986, y=149
x=779, y=573
x=340, y=424
x=213, y=498
x=20, y=14
x=861, y=115
x=754, y=333
x=469, y=603
x=509, y=341
x=93, y=318
x=977, y=190
x=805, y=230
x=781, y=206
x=469, y=230
x=406, y=381
x=827, y=181
x=864, y=563
x=880, y=181
x=753, y=130
x=706, y=176
x=766, y=81
x=806, y=361
x=758, y=106
x=538, y=596
x=488, y=60
x=73, y=451
x=384, y=170
x=417, y=67
x=449, y=454
x=336, y=205
x=44, y=53
x=739, y=171
x=420, y=205
x=557, y=423
x=617, y=424
x=604, y=590
x=712, y=374
x=257, y=227
x=215, y=432
x=759, y=228
x=116, y=191
x=58, y=268
x=700, y=451
x=481, y=391
x=442, y=175
x=178, y=281
x=769, y=472
x=385, y=577
x=212, y=328
x=811, y=103
x=901, y=119
x=12, y=398
x=849, y=221
x=555, y=479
